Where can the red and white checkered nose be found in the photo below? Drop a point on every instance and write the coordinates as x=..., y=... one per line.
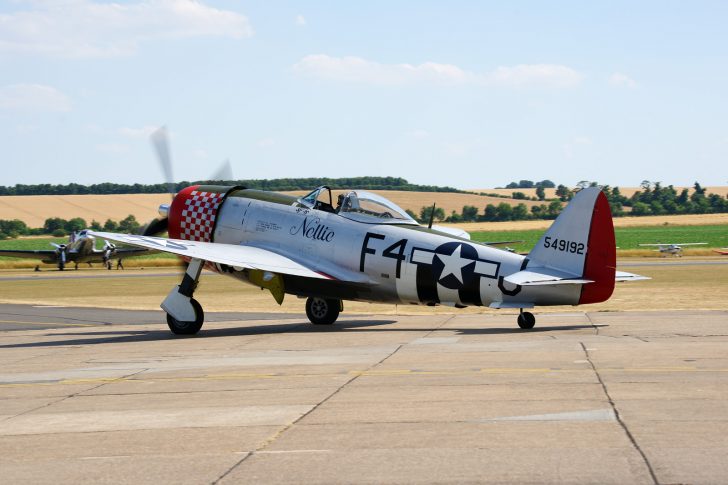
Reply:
x=193, y=212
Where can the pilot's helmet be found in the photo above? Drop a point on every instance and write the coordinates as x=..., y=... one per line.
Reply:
x=352, y=201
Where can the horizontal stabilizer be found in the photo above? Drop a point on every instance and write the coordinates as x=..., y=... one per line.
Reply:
x=510, y=304
x=624, y=276
x=544, y=276
x=452, y=231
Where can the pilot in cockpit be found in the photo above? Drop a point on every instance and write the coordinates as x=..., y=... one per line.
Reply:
x=348, y=203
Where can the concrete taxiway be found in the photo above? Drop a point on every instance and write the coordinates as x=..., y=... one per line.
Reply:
x=92, y=395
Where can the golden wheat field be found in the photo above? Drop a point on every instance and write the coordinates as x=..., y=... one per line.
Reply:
x=677, y=220
x=35, y=209
x=449, y=201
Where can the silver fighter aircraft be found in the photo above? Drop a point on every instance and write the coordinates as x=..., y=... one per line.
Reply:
x=365, y=248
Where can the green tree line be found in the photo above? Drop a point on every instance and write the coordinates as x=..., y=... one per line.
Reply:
x=653, y=199
x=367, y=183
x=59, y=227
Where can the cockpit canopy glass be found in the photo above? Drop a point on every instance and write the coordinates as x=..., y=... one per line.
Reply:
x=357, y=205
x=363, y=206
x=319, y=198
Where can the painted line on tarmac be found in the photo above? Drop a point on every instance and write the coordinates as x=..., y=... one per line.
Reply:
x=50, y=323
x=372, y=373
x=175, y=274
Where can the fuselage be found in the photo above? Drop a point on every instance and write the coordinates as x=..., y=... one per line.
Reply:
x=81, y=249
x=378, y=261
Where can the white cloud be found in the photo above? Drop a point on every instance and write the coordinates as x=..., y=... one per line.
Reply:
x=300, y=20
x=356, y=69
x=33, y=97
x=143, y=132
x=551, y=75
x=87, y=29
x=266, y=142
x=622, y=80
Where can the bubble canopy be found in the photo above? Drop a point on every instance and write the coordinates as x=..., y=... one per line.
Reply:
x=363, y=206
x=357, y=205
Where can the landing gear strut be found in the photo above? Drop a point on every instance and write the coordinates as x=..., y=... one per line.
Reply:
x=184, y=313
x=526, y=320
x=323, y=311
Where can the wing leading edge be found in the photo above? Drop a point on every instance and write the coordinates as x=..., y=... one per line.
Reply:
x=31, y=254
x=237, y=256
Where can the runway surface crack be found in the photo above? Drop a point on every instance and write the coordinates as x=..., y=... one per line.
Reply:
x=617, y=415
x=64, y=398
x=282, y=431
x=591, y=322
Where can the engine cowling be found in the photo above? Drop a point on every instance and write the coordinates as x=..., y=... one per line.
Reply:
x=194, y=210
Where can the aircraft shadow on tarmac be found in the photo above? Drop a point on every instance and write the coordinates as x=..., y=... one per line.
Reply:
x=125, y=336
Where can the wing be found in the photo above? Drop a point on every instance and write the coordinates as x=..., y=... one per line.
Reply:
x=229, y=254
x=674, y=244
x=452, y=231
x=499, y=243
x=37, y=254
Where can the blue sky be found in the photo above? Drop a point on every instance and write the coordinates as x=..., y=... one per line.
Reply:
x=469, y=94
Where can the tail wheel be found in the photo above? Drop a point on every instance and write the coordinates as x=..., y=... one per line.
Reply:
x=322, y=311
x=187, y=328
x=526, y=320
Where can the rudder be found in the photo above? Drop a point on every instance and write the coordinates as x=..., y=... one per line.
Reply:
x=581, y=242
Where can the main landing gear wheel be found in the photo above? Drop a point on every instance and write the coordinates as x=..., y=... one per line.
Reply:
x=322, y=311
x=526, y=320
x=187, y=328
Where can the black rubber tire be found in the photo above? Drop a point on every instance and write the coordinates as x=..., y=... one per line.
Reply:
x=187, y=328
x=322, y=311
x=526, y=320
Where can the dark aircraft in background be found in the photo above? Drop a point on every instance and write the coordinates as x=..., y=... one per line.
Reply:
x=81, y=248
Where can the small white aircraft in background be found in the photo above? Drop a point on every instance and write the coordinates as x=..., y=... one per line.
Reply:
x=674, y=249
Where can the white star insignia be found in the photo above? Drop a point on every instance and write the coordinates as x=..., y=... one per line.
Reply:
x=454, y=264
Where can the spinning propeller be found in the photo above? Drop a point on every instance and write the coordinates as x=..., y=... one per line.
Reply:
x=61, y=250
x=109, y=249
x=160, y=142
